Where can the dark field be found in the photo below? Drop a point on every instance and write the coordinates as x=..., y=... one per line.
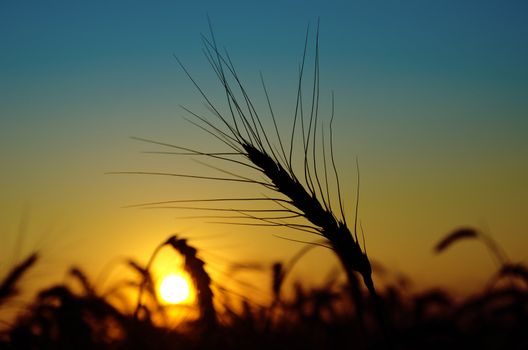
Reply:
x=77, y=316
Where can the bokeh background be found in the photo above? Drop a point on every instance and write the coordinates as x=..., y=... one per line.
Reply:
x=430, y=96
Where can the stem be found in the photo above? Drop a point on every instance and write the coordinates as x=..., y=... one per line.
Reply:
x=378, y=311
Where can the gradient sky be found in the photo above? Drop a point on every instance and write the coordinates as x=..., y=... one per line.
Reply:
x=430, y=95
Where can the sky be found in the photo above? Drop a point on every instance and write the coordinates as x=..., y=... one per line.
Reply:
x=429, y=96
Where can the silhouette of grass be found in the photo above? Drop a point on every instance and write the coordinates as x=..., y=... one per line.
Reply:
x=515, y=270
x=297, y=194
x=195, y=268
x=8, y=286
x=469, y=233
x=315, y=318
x=457, y=235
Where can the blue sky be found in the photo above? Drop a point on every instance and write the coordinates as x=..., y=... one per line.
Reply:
x=431, y=95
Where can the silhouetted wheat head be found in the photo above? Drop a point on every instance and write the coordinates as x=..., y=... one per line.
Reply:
x=469, y=233
x=194, y=266
x=307, y=191
x=8, y=286
x=511, y=271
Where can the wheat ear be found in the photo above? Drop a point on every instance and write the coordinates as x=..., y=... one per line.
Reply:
x=194, y=266
x=303, y=191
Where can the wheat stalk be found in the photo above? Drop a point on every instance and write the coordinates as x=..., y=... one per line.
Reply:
x=465, y=233
x=251, y=146
x=194, y=266
x=8, y=286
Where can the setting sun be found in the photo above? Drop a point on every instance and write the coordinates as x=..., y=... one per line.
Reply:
x=175, y=289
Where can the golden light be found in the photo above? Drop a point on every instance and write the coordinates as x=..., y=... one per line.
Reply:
x=175, y=289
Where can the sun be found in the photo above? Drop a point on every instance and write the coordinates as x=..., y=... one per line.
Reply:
x=175, y=289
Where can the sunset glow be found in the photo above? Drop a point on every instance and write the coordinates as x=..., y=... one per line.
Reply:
x=243, y=175
x=175, y=289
